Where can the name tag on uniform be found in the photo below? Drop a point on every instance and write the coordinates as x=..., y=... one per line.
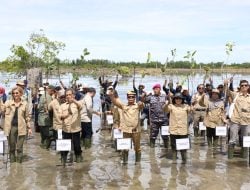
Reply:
x=118, y=134
x=2, y=147
x=110, y=119
x=165, y=130
x=182, y=144
x=246, y=141
x=221, y=131
x=202, y=127
x=59, y=134
x=2, y=136
x=63, y=145
x=124, y=144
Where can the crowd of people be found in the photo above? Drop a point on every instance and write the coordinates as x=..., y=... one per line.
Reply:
x=71, y=110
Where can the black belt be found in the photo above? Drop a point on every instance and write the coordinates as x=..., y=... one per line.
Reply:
x=200, y=109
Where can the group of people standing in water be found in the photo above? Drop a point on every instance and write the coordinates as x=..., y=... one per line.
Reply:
x=70, y=110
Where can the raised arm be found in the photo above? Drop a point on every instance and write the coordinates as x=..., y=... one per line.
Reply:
x=116, y=82
x=115, y=101
x=164, y=88
x=62, y=85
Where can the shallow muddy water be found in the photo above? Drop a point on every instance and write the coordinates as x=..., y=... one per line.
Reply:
x=102, y=168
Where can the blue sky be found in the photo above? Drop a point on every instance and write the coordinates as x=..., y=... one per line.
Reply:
x=126, y=30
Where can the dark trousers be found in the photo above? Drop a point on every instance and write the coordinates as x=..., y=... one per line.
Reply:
x=155, y=128
x=16, y=142
x=75, y=138
x=211, y=132
x=173, y=140
x=87, y=131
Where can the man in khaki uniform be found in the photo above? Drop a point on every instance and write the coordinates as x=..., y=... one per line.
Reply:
x=199, y=111
x=71, y=124
x=240, y=119
x=55, y=108
x=86, y=117
x=129, y=122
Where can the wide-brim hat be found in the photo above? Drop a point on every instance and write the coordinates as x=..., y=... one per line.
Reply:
x=178, y=95
x=131, y=93
x=20, y=82
x=216, y=91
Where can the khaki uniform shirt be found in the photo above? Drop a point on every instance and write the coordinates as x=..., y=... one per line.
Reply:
x=87, y=108
x=57, y=112
x=116, y=117
x=178, y=120
x=130, y=118
x=241, y=112
x=196, y=97
x=72, y=123
x=23, y=117
x=215, y=112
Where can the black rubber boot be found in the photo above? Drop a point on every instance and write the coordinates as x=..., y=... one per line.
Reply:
x=12, y=157
x=209, y=141
x=19, y=158
x=174, y=155
x=125, y=157
x=165, y=141
x=216, y=142
x=196, y=131
x=47, y=143
x=152, y=143
x=63, y=159
x=230, y=151
x=244, y=152
x=79, y=158
x=137, y=157
x=87, y=143
x=184, y=156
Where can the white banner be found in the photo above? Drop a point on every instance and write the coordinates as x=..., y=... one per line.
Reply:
x=124, y=144
x=246, y=141
x=110, y=119
x=165, y=130
x=59, y=134
x=202, y=127
x=182, y=144
x=221, y=131
x=63, y=145
x=2, y=136
x=118, y=134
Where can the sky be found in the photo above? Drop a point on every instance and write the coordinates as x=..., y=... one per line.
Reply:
x=126, y=30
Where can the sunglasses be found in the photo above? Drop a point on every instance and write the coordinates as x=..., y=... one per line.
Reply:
x=131, y=97
x=244, y=85
x=200, y=88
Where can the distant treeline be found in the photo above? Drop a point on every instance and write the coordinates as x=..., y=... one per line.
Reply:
x=177, y=64
x=99, y=63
